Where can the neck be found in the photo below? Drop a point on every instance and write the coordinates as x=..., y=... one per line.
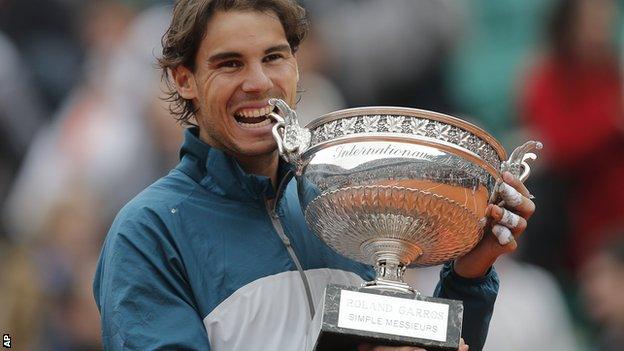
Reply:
x=264, y=165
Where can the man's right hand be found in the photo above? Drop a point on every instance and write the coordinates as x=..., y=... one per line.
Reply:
x=369, y=347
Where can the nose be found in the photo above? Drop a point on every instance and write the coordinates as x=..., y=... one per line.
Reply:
x=256, y=80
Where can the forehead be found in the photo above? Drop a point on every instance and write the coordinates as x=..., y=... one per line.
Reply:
x=241, y=31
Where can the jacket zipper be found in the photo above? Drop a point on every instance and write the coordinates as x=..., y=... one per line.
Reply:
x=271, y=207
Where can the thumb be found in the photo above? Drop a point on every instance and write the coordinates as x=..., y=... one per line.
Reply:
x=462, y=345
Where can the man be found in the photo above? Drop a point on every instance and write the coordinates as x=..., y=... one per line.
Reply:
x=209, y=257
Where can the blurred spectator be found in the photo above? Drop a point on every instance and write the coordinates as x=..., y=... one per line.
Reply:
x=100, y=138
x=387, y=52
x=577, y=85
x=530, y=312
x=110, y=138
x=21, y=305
x=65, y=258
x=572, y=101
x=483, y=68
x=20, y=115
x=141, y=97
x=46, y=34
x=318, y=94
x=602, y=283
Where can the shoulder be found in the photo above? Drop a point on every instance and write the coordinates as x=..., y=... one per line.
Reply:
x=159, y=198
x=151, y=215
x=140, y=238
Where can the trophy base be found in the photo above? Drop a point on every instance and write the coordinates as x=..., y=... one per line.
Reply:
x=352, y=316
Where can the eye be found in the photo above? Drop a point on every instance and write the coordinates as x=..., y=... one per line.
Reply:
x=272, y=57
x=230, y=64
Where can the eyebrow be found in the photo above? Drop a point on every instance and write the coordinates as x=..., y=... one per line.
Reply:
x=224, y=56
x=231, y=54
x=283, y=47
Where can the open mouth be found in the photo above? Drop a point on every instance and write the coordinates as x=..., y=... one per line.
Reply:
x=252, y=118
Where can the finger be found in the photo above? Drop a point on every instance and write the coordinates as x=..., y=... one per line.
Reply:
x=462, y=345
x=516, y=183
x=505, y=217
x=515, y=200
x=503, y=234
x=510, y=195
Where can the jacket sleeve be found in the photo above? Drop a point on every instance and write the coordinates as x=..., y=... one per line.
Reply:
x=141, y=291
x=478, y=296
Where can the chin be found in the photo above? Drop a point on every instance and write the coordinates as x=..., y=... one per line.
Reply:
x=259, y=148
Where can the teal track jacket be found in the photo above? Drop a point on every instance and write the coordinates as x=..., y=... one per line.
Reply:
x=194, y=263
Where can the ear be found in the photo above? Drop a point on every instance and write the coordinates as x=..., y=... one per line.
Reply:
x=184, y=81
x=297, y=68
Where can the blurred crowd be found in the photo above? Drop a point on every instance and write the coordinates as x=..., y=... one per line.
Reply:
x=84, y=128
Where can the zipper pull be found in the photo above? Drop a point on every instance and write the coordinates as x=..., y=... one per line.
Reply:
x=274, y=214
x=286, y=241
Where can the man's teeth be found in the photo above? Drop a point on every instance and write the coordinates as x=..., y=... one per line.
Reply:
x=254, y=125
x=253, y=117
x=256, y=112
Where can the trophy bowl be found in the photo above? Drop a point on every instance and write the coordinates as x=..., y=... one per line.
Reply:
x=395, y=187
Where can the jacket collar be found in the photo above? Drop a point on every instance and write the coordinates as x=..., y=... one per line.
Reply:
x=221, y=174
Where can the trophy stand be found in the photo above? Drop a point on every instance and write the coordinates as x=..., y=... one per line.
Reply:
x=380, y=315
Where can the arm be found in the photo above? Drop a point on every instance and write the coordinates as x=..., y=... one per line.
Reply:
x=478, y=296
x=143, y=296
x=471, y=278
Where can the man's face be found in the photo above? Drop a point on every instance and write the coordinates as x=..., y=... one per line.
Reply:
x=243, y=60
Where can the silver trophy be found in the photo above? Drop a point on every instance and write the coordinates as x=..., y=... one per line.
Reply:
x=395, y=188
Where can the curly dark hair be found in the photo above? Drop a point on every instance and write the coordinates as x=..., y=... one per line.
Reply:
x=188, y=27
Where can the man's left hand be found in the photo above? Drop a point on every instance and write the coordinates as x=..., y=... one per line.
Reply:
x=506, y=226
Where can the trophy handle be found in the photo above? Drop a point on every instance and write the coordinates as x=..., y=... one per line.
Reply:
x=517, y=163
x=292, y=139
